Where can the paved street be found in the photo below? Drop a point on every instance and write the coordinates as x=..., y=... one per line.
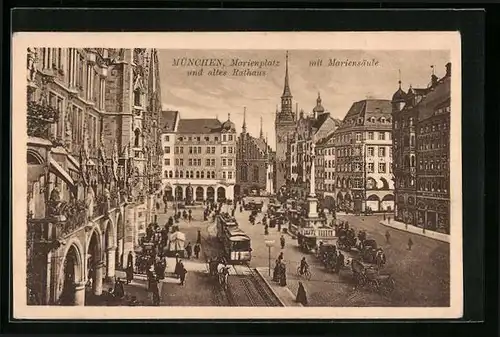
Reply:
x=422, y=275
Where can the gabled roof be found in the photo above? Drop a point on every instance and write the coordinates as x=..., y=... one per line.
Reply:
x=199, y=125
x=167, y=121
x=366, y=109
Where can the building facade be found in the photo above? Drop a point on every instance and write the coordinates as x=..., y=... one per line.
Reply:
x=169, y=122
x=92, y=161
x=421, y=162
x=204, y=160
x=253, y=161
x=363, y=146
x=284, y=130
x=327, y=187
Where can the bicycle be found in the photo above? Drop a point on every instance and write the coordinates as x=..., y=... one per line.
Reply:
x=306, y=274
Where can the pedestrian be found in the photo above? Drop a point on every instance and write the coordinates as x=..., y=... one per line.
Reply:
x=183, y=273
x=197, y=249
x=198, y=239
x=156, y=292
x=189, y=250
x=410, y=243
x=387, y=236
x=266, y=230
x=119, y=291
x=276, y=271
x=388, y=219
x=130, y=267
x=301, y=295
x=282, y=274
x=282, y=241
x=190, y=216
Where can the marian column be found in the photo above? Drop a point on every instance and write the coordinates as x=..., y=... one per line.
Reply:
x=313, y=202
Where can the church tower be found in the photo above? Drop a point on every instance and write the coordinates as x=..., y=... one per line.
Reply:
x=284, y=128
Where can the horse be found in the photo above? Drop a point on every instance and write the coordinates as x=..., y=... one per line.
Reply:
x=380, y=259
x=223, y=275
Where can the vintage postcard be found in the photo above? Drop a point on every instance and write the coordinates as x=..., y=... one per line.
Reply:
x=307, y=174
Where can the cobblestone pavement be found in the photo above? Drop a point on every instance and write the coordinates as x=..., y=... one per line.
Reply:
x=421, y=275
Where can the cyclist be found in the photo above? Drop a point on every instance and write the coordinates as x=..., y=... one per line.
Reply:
x=303, y=266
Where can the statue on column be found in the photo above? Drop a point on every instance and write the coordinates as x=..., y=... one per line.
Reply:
x=102, y=162
x=68, y=126
x=114, y=161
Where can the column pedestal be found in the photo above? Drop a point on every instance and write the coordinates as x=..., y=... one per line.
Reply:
x=97, y=284
x=80, y=294
x=110, y=267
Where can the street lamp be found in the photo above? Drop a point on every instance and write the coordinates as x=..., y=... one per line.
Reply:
x=269, y=244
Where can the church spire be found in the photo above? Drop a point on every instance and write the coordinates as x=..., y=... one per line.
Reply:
x=244, y=126
x=286, y=98
x=261, y=135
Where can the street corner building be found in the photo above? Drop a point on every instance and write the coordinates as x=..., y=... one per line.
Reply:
x=421, y=129
x=255, y=163
x=363, y=158
x=93, y=166
x=199, y=158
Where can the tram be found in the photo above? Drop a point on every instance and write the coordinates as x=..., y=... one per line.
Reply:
x=237, y=246
x=225, y=221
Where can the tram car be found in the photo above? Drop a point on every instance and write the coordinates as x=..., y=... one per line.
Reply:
x=225, y=221
x=237, y=246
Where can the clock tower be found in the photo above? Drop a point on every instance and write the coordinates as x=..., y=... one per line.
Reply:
x=285, y=129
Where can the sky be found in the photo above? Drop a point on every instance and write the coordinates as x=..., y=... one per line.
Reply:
x=217, y=96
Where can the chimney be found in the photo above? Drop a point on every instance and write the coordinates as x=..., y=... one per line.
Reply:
x=448, y=69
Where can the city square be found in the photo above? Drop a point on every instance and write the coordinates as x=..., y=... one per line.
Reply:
x=135, y=203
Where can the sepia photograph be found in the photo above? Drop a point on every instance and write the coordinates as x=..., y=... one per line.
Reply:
x=307, y=174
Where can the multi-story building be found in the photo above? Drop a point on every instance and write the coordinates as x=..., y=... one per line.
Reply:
x=421, y=158
x=315, y=127
x=363, y=157
x=327, y=152
x=205, y=160
x=169, y=122
x=91, y=154
x=253, y=160
x=284, y=129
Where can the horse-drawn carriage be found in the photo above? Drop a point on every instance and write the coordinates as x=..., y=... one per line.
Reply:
x=371, y=253
x=368, y=275
x=327, y=254
x=347, y=239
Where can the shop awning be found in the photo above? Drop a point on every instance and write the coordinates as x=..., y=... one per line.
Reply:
x=59, y=171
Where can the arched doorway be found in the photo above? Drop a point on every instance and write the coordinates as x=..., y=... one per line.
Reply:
x=199, y=193
x=237, y=191
x=385, y=183
x=72, y=269
x=94, y=263
x=221, y=194
x=387, y=203
x=189, y=193
x=210, y=193
x=373, y=203
x=168, y=193
x=178, y=193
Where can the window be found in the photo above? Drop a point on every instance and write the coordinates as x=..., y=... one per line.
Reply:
x=371, y=168
x=167, y=138
x=381, y=151
x=181, y=162
x=166, y=174
x=223, y=138
x=216, y=139
x=213, y=162
x=208, y=150
x=358, y=136
x=167, y=161
x=181, y=174
x=207, y=162
x=190, y=150
x=230, y=149
x=170, y=174
x=371, y=151
x=224, y=149
x=213, y=149
x=177, y=174
x=390, y=151
x=224, y=162
x=176, y=150
x=207, y=139
x=381, y=136
x=176, y=161
x=370, y=135
x=381, y=168
x=213, y=174
x=197, y=174
x=190, y=138
x=202, y=174
x=230, y=138
x=389, y=134
x=181, y=149
x=224, y=175
x=255, y=173
x=199, y=149
x=190, y=162
x=230, y=175
x=166, y=149
x=198, y=139
x=229, y=162
x=191, y=174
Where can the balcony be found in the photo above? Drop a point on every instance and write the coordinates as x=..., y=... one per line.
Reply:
x=39, y=118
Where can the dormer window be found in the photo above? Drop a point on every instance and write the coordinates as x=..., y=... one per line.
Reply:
x=382, y=119
x=372, y=119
